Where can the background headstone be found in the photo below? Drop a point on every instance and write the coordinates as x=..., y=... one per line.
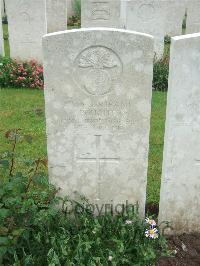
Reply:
x=193, y=16
x=101, y=13
x=98, y=85
x=2, y=8
x=123, y=13
x=148, y=16
x=1, y=34
x=70, y=8
x=175, y=14
x=26, y=26
x=180, y=197
x=56, y=15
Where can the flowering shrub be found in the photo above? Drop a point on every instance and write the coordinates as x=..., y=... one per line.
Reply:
x=18, y=74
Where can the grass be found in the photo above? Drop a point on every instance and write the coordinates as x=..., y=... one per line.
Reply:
x=159, y=102
x=22, y=108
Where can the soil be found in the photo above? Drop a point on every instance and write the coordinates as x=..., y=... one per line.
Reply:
x=186, y=249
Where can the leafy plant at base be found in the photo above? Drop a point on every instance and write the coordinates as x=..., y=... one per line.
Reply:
x=34, y=231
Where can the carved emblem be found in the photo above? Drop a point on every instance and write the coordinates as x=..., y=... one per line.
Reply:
x=98, y=67
x=146, y=12
x=100, y=11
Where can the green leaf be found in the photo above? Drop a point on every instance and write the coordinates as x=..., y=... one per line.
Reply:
x=4, y=213
x=4, y=241
x=18, y=232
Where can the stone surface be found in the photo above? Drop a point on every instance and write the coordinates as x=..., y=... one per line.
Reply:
x=56, y=15
x=175, y=14
x=193, y=17
x=149, y=16
x=98, y=84
x=27, y=25
x=100, y=13
x=1, y=34
x=180, y=197
x=123, y=13
x=70, y=8
x=2, y=8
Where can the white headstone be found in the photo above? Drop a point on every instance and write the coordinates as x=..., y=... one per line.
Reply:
x=2, y=7
x=56, y=15
x=100, y=13
x=70, y=8
x=148, y=16
x=27, y=25
x=180, y=188
x=98, y=84
x=123, y=13
x=1, y=35
x=193, y=17
x=175, y=14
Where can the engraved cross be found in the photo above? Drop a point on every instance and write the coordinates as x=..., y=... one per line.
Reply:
x=98, y=159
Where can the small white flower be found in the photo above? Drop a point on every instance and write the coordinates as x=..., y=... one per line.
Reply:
x=128, y=222
x=110, y=258
x=151, y=233
x=152, y=223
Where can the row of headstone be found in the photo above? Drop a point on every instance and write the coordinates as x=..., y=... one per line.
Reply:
x=158, y=18
x=28, y=21
x=98, y=104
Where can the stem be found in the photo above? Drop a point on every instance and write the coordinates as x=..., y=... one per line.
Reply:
x=13, y=160
x=31, y=177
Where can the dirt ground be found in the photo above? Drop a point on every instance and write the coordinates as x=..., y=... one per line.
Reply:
x=186, y=249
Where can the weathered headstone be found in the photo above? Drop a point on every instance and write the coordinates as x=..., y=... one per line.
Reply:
x=148, y=16
x=174, y=17
x=70, y=8
x=1, y=35
x=123, y=13
x=180, y=197
x=56, y=15
x=2, y=7
x=98, y=86
x=193, y=17
x=27, y=25
x=100, y=13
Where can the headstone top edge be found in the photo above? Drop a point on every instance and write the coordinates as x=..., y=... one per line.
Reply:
x=102, y=29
